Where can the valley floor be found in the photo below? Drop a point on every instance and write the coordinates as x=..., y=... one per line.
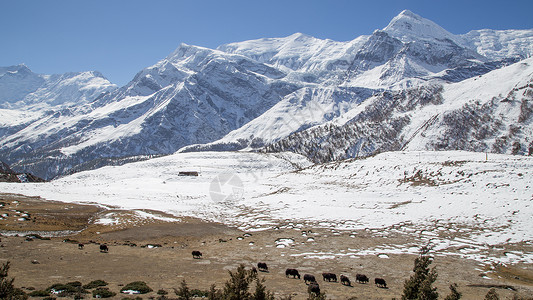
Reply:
x=162, y=255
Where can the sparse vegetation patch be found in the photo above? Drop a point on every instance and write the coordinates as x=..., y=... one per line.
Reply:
x=94, y=284
x=136, y=287
x=103, y=293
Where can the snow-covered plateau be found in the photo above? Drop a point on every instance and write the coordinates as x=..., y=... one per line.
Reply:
x=467, y=201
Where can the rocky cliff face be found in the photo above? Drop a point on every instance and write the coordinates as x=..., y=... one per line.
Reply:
x=8, y=175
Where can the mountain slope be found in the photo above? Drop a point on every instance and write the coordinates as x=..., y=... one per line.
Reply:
x=194, y=95
x=490, y=113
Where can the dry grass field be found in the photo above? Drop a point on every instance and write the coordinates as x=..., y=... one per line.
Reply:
x=159, y=253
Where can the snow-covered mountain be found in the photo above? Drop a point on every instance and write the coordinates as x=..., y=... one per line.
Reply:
x=409, y=52
x=488, y=113
x=246, y=95
x=195, y=95
x=23, y=89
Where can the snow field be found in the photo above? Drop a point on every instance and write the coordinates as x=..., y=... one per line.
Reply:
x=462, y=203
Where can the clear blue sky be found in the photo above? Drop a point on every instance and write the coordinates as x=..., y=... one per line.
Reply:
x=121, y=37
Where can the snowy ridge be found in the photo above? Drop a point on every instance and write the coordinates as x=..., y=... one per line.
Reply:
x=303, y=57
x=23, y=89
x=298, y=111
x=500, y=44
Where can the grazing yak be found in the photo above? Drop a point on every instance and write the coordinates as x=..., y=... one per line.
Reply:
x=329, y=277
x=313, y=288
x=361, y=278
x=196, y=254
x=380, y=282
x=309, y=278
x=345, y=280
x=262, y=267
x=104, y=248
x=292, y=272
x=80, y=246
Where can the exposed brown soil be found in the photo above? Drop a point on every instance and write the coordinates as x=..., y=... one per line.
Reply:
x=39, y=263
x=44, y=215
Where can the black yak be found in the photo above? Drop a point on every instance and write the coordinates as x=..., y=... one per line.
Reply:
x=345, y=280
x=309, y=278
x=313, y=288
x=361, y=278
x=380, y=282
x=262, y=267
x=329, y=277
x=196, y=254
x=292, y=272
x=104, y=248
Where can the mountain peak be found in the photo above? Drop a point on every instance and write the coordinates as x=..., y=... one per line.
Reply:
x=408, y=26
x=20, y=69
x=300, y=36
x=409, y=14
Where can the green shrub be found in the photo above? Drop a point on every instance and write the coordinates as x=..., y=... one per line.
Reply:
x=199, y=293
x=139, y=286
x=60, y=287
x=75, y=284
x=103, y=293
x=183, y=293
x=238, y=286
x=39, y=294
x=94, y=284
x=215, y=294
x=162, y=292
x=67, y=290
x=78, y=296
x=19, y=294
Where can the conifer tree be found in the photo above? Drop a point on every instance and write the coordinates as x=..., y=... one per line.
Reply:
x=236, y=288
x=261, y=293
x=183, y=293
x=214, y=294
x=420, y=285
x=492, y=295
x=454, y=294
x=7, y=288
